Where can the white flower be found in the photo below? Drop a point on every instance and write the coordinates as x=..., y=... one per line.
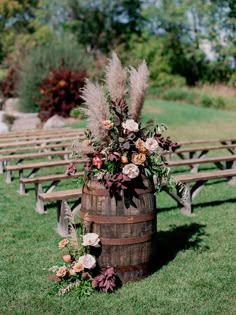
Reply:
x=87, y=261
x=151, y=145
x=131, y=170
x=130, y=125
x=91, y=239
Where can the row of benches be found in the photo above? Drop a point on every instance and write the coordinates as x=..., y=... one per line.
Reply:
x=61, y=197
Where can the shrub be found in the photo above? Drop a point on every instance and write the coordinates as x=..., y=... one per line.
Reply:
x=219, y=102
x=76, y=113
x=206, y=100
x=9, y=84
x=38, y=64
x=60, y=92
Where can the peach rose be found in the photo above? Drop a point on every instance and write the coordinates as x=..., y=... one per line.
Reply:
x=131, y=170
x=140, y=145
x=61, y=272
x=138, y=159
x=130, y=125
x=108, y=124
x=67, y=258
x=91, y=239
x=62, y=244
x=87, y=261
x=151, y=145
x=77, y=267
x=124, y=159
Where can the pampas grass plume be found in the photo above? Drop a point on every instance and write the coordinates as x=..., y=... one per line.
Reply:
x=138, y=85
x=115, y=78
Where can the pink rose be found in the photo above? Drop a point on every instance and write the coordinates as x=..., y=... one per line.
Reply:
x=131, y=170
x=91, y=239
x=151, y=145
x=87, y=261
x=96, y=161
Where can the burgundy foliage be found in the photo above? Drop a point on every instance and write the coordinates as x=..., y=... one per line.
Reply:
x=71, y=169
x=106, y=280
x=60, y=92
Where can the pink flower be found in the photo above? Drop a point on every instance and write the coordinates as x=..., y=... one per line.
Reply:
x=96, y=161
x=63, y=243
x=61, y=272
x=151, y=145
x=87, y=261
x=130, y=125
x=131, y=170
x=91, y=239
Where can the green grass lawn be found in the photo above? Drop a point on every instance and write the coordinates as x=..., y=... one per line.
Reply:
x=195, y=267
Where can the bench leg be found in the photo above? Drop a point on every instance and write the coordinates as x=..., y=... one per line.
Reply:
x=233, y=179
x=1, y=167
x=62, y=223
x=9, y=177
x=39, y=203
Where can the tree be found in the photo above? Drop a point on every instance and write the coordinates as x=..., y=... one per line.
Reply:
x=103, y=24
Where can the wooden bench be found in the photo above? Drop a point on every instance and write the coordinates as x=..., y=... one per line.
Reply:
x=16, y=144
x=206, y=141
x=61, y=197
x=35, y=167
x=194, y=163
x=202, y=151
x=30, y=132
x=19, y=158
x=39, y=148
x=38, y=182
x=199, y=180
x=73, y=132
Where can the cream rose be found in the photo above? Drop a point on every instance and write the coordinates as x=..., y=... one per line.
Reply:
x=131, y=170
x=130, y=125
x=138, y=159
x=87, y=261
x=61, y=272
x=91, y=239
x=108, y=124
x=63, y=243
x=151, y=145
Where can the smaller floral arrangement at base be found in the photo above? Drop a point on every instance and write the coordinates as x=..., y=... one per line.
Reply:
x=79, y=269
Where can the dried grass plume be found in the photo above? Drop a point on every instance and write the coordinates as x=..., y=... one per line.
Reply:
x=97, y=110
x=115, y=78
x=138, y=85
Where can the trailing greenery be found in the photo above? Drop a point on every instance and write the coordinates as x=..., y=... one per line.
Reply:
x=40, y=61
x=195, y=261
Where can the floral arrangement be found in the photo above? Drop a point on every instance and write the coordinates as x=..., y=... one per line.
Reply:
x=79, y=270
x=120, y=151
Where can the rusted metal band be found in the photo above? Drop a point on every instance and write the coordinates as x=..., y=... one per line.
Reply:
x=105, y=219
x=104, y=192
x=126, y=240
x=96, y=192
x=132, y=268
x=142, y=191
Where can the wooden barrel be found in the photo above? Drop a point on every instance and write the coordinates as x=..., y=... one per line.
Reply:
x=127, y=235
